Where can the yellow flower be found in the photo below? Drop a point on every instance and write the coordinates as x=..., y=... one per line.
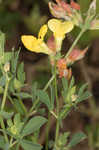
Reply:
x=36, y=44
x=59, y=28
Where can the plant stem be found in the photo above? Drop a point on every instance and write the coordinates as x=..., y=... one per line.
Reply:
x=47, y=131
x=11, y=140
x=75, y=42
x=3, y=127
x=48, y=124
x=45, y=88
x=2, y=107
x=5, y=94
x=57, y=107
x=14, y=143
x=49, y=82
x=22, y=105
x=37, y=100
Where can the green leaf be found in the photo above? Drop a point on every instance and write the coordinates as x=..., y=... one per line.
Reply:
x=9, y=123
x=64, y=112
x=81, y=90
x=72, y=82
x=43, y=97
x=2, y=42
x=18, y=107
x=23, y=95
x=15, y=56
x=28, y=145
x=65, y=84
x=6, y=115
x=2, y=81
x=33, y=125
x=21, y=73
x=63, y=138
x=77, y=138
x=65, y=87
x=34, y=91
x=17, y=119
x=6, y=146
x=2, y=142
x=85, y=96
x=7, y=57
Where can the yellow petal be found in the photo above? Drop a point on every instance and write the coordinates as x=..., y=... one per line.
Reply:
x=35, y=45
x=60, y=28
x=67, y=26
x=54, y=25
x=29, y=41
x=42, y=32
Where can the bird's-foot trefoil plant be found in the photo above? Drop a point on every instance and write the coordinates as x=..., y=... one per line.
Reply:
x=20, y=125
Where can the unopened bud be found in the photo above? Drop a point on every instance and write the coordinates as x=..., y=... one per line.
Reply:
x=74, y=97
x=7, y=67
x=92, y=8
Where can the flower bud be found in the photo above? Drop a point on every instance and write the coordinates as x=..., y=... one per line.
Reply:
x=92, y=8
x=7, y=67
x=13, y=130
x=75, y=55
x=74, y=97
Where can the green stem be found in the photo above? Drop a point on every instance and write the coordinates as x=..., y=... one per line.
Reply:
x=2, y=107
x=14, y=143
x=11, y=140
x=45, y=88
x=37, y=100
x=48, y=124
x=22, y=105
x=57, y=108
x=75, y=42
x=3, y=127
x=47, y=131
x=49, y=82
x=5, y=94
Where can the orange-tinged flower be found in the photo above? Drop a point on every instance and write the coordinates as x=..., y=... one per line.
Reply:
x=61, y=64
x=67, y=11
x=75, y=55
x=66, y=73
x=75, y=5
x=62, y=69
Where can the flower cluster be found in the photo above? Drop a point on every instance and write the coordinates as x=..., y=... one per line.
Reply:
x=66, y=11
x=64, y=64
x=59, y=28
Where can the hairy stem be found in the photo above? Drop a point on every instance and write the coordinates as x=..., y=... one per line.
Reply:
x=57, y=108
x=75, y=42
x=2, y=107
